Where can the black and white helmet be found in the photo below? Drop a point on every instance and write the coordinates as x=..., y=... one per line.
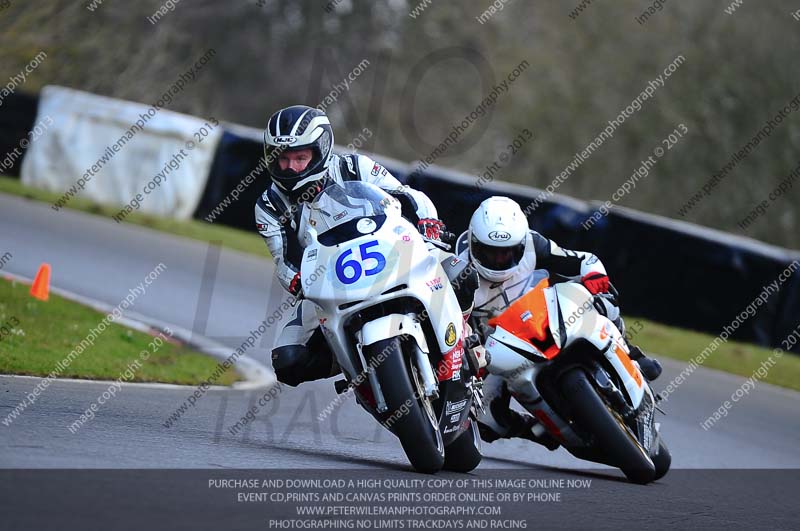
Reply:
x=294, y=128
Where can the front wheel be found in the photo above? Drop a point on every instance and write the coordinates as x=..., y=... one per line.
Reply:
x=662, y=460
x=410, y=415
x=612, y=436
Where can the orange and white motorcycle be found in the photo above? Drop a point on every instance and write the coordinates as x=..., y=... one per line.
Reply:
x=568, y=365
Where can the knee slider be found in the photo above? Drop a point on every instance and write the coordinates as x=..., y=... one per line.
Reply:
x=289, y=363
x=295, y=364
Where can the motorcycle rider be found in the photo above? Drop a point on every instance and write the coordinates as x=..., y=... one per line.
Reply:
x=298, y=149
x=505, y=251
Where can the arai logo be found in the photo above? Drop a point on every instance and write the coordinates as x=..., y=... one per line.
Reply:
x=499, y=236
x=285, y=139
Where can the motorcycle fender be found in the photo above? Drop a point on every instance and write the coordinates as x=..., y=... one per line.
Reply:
x=393, y=325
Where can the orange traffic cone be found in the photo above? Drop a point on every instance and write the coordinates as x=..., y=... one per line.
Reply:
x=40, y=289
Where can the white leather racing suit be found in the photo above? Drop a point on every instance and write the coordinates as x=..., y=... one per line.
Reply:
x=300, y=352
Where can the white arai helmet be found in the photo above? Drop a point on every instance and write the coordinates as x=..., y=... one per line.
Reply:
x=497, y=235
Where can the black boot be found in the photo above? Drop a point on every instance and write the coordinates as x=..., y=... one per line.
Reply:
x=650, y=367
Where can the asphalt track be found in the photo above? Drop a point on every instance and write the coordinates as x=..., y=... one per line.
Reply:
x=224, y=295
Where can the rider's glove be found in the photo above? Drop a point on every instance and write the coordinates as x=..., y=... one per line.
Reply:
x=431, y=228
x=596, y=283
x=295, y=288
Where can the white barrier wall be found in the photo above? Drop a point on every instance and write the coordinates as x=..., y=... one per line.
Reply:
x=110, y=150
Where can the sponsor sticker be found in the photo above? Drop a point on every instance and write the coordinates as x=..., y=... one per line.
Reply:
x=436, y=285
x=454, y=417
x=455, y=407
x=262, y=226
x=376, y=169
x=340, y=215
x=450, y=366
x=450, y=335
x=451, y=429
x=285, y=139
x=526, y=316
x=312, y=255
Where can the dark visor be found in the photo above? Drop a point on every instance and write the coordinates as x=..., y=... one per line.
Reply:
x=497, y=258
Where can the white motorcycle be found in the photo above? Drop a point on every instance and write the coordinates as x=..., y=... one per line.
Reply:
x=393, y=321
x=568, y=365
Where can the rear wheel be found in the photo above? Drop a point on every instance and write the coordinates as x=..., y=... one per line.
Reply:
x=613, y=437
x=410, y=415
x=464, y=454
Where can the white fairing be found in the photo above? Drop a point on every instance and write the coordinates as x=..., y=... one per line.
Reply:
x=374, y=264
x=582, y=321
x=572, y=305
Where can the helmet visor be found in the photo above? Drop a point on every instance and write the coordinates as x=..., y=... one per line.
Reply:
x=497, y=258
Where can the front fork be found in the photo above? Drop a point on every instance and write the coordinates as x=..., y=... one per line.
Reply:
x=642, y=418
x=478, y=405
x=430, y=386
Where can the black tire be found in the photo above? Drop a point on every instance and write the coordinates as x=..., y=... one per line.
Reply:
x=662, y=460
x=595, y=417
x=407, y=417
x=464, y=454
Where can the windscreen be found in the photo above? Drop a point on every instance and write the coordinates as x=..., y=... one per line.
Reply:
x=340, y=204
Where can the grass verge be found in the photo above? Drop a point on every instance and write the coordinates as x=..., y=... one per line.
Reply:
x=733, y=357
x=683, y=345
x=35, y=336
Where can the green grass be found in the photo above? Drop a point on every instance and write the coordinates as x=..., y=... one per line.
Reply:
x=683, y=345
x=733, y=357
x=240, y=240
x=35, y=336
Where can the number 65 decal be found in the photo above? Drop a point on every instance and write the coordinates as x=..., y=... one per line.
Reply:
x=343, y=265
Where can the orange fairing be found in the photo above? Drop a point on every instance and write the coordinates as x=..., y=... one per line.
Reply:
x=527, y=319
x=628, y=364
